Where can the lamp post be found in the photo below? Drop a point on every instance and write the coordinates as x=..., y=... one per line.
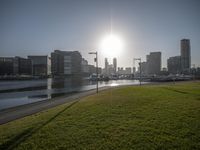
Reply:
x=140, y=67
x=96, y=60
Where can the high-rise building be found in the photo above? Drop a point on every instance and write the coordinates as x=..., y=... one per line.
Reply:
x=40, y=65
x=66, y=63
x=154, y=63
x=115, y=65
x=106, y=66
x=185, y=54
x=174, y=65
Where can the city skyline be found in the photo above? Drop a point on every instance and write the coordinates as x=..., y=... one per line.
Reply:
x=39, y=27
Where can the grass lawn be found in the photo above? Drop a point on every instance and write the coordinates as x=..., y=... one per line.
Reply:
x=134, y=117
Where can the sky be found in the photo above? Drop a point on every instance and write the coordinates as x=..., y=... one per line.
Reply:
x=38, y=27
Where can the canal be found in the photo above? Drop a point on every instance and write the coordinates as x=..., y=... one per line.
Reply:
x=15, y=93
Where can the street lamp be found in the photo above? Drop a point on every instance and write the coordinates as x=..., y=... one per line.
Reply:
x=140, y=66
x=96, y=60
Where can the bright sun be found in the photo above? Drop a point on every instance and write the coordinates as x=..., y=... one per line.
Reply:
x=111, y=45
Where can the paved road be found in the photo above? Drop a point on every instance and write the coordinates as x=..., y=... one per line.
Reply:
x=14, y=113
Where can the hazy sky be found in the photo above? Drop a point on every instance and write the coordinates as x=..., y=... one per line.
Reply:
x=37, y=27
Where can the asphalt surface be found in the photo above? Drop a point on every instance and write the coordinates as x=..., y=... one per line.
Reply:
x=14, y=113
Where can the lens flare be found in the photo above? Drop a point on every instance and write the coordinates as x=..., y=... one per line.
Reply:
x=111, y=45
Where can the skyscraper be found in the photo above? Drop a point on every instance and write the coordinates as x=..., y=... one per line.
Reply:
x=115, y=65
x=185, y=54
x=106, y=66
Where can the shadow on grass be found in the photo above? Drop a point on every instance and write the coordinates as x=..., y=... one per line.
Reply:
x=177, y=91
x=183, y=92
x=21, y=137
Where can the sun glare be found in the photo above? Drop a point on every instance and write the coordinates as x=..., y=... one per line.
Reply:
x=111, y=45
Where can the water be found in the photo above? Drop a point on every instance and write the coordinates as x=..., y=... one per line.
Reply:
x=15, y=93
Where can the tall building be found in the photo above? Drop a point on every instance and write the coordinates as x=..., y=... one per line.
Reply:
x=174, y=65
x=185, y=54
x=106, y=66
x=115, y=65
x=40, y=65
x=66, y=63
x=154, y=63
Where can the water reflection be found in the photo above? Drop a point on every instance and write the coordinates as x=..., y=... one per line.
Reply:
x=114, y=84
x=14, y=93
x=68, y=82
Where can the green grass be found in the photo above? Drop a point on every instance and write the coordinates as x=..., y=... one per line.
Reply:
x=147, y=117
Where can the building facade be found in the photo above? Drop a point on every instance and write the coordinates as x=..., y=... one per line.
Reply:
x=22, y=66
x=115, y=65
x=110, y=69
x=106, y=66
x=84, y=67
x=185, y=54
x=134, y=70
x=127, y=71
x=65, y=63
x=174, y=65
x=6, y=66
x=15, y=66
x=143, y=68
x=154, y=63
x=40, y=65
